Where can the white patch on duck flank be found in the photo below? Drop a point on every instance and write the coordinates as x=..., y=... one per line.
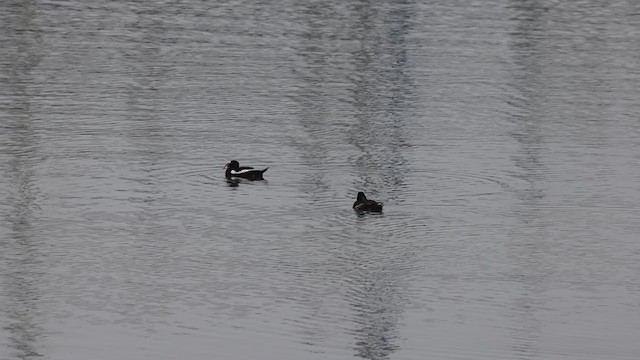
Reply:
x=233, y=172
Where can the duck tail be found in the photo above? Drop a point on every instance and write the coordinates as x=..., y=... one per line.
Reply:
x=265, y=169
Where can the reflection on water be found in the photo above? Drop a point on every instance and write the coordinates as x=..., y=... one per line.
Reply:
x=375, y=296
x=381, y=89
x=379, y=93
x=376, y=338
x=21, y=253
x=19, y=271
x=529, y=238
x=234, y=183
x=370, y=108
x=500, y=136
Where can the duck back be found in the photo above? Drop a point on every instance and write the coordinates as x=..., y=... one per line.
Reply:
x=364, y=204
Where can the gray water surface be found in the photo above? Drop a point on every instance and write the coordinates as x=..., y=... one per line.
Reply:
x=502, y=136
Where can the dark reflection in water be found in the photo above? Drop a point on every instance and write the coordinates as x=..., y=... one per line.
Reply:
x=148, y=68
x=378, y=317
x=380, y=94
x=234, y=183
x=147, y=100
x=20, y=296
x=312, y=101
x=372, y=55
x=376, y=296
x=529, y=239
x=528, y=119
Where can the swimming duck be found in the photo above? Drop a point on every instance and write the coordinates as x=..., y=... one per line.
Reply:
x=233, y=169
x=363, y=204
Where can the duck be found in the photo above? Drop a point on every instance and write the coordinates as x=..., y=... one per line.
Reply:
x=234, y=170
x=364, y=204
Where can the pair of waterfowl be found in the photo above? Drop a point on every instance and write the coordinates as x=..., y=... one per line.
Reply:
x=234, y=170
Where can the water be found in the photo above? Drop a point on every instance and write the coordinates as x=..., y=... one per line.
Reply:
x=502, y=137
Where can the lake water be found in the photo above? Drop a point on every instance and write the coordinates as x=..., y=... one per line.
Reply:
x=502, y=136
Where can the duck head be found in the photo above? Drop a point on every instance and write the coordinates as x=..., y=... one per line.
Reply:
x=233, y=165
